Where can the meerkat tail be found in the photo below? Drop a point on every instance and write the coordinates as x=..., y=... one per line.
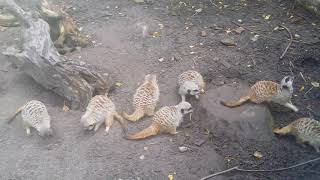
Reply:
x=135, y=116
x=122, y=123
x=15, y=114
x=283, y=131
x=152, y=130
x=242, y=100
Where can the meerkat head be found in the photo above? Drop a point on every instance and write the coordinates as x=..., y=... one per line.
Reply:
x=45, y=129
x=286, y=83
x=190, y=88
x=151, y=78
x=86, y=122
x=184, y=107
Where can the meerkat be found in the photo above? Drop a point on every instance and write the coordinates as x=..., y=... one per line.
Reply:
x=306, y=130
x=166, y=120
x=101, y=109
x=190, y=83
x=145, y=99
x=34, y=114
x=266, y=91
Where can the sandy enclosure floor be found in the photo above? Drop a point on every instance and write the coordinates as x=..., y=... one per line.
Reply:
x=122, y=44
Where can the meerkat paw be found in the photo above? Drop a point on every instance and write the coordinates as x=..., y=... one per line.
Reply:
x=28, y=131
x=106, y=132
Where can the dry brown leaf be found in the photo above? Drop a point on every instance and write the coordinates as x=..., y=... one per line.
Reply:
x=239, y=30
x=65, y=107
x=301, y=88
x=170, y=176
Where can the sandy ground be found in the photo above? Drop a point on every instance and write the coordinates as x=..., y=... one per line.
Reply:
x=122, y=45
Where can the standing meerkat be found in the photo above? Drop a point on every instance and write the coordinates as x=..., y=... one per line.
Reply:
x=305, y=130
x=166, y=120
x=34, y=114
x=190, y=83
x=145, y=99
x=266, y=91
x=101, y=109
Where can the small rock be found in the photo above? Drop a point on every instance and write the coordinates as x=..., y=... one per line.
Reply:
x=161, y=59
x=142, y=157
x=200, y=142
x=255, y=38
x=145, y=148
x=228, y=41
x=204, y=33
x=297, y=36
x=183, y=149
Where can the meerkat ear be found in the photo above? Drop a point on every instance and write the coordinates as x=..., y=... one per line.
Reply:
x=182, y=111
x=189, y=91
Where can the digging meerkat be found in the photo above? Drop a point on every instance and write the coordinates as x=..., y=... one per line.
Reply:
x=268, y=91
x=145, y=98
x=190, y=83
x=306, y=130
x=34, y=114
x=101, y=109
x=166, y=120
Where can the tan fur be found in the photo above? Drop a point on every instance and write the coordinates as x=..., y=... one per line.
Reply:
x=145, y=99
x=101, y=109
x=152, y=130
x=34, y=114
x=166, y=120
x=305, y=130
x=264, y=91
x=190, y=83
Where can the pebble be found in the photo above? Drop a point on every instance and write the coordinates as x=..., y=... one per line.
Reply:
x=204, y=33
x=142, y=157
x=183, y=149
x=228, y=41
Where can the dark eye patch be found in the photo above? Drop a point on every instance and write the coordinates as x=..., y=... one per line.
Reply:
x=182, y=110
x=189, y=91
x=190, y=109
x=196, y=90
x=287, y=79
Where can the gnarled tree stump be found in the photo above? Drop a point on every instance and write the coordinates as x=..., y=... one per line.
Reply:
x=38, y=58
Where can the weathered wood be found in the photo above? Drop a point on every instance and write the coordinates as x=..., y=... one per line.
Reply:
x=38, y=58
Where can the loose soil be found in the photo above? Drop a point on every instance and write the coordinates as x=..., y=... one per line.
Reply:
x=125, y=44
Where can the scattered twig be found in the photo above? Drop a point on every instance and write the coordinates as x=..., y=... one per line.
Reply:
x=290, y=42
x=303, y=77
x=308, y=91
x=258, y=170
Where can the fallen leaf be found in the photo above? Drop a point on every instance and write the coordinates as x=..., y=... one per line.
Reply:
x=156, y=34
x=266, y=17
x=139, y=1
x=206, y=131
x=257, y=155
x=119, y=84
x=170, y=176
x=315, y=84
x=65, y=107
x=301, y=88
x=239, y=30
